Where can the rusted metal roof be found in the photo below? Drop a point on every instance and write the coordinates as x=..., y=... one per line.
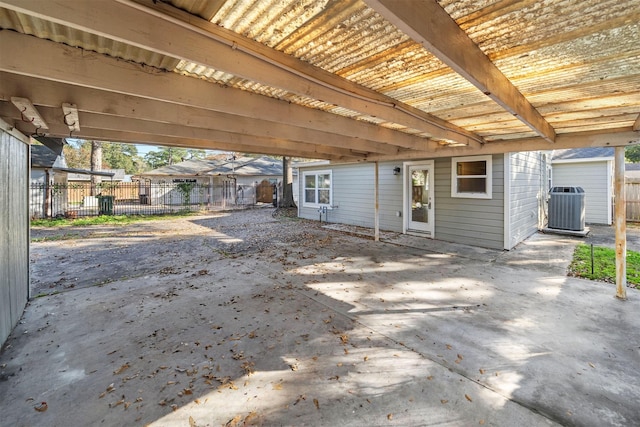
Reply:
x=576, y=62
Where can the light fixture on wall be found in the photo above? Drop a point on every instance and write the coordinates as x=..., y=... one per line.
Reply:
x=396, y=170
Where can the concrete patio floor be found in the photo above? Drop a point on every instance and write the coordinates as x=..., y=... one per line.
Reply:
x=318, y=327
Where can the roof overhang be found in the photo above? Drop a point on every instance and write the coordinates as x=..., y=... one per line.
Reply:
x=343, y=81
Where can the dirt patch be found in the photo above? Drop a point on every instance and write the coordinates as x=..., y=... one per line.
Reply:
x=90, y=256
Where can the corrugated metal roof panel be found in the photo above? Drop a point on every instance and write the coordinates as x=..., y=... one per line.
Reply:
x=574, y=60
x=59, y=33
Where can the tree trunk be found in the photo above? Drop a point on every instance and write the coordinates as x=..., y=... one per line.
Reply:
x=96, y=165
x=287, y=185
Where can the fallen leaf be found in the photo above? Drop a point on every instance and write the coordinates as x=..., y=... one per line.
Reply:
x=41, y=407
x=121, y=369
x=192, y=422
x=443, y=401
x=430, y=377
x=389, y=417
x=277, y=386
x=468, y=398
x=251, y=419
x=187, y=391
x=366, y=358
x=481, y=422
x=315, y=402
x=592, y=365
x=460, y=357
x=174, y=407
x=114, y=404
x=448, y=346
x=234, y=421
x=482, y=371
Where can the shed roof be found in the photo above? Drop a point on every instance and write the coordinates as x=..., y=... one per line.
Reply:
x=84, y=175
x=42, y=157
x=583, y=153
x=342, y=80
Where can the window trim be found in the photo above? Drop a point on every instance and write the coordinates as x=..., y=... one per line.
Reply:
x=304, y=188
x=488, y=193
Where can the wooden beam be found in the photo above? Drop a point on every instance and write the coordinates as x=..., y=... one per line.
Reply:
x=636, y=124
x=141, y=138
x=610, y=138
x=207, y=44
x=621, y=225
x=218, y=139
x=52, y=94
x=429, y=24
x=61, y=63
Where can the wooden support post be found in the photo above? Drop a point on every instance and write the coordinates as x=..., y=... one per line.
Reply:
x=376, y=214
x=621, y=226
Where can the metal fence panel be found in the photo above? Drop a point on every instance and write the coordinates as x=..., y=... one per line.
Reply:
x=73, y=200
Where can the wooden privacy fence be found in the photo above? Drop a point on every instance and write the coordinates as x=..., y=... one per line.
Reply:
x=123, y=191
x=632, y=195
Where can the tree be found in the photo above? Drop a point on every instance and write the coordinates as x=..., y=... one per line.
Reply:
x=287, y=184
x=77, y=153
x=96, y=165
x=122, y=156
x=632, y=153
x=170, y=155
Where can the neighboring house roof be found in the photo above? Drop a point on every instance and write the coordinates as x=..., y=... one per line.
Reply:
x=583, y=154
x=188, y=167
x=632, y=167
x=81, y=175
x=248, y=166
x=44, y=158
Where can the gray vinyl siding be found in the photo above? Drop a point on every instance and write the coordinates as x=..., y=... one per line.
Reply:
x=595, y=180
x=527, y=182
x=478, y=222
x=14, y=231
x=353, y=195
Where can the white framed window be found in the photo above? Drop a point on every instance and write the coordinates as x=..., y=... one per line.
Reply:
x=471, y=177
x=318, y=190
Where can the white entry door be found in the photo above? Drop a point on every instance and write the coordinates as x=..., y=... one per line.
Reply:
x=419, y=197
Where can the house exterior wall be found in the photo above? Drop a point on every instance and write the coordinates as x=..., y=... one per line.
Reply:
x=526, y=195
x=477, y=222
x=595, y=178
x=352, y=186
x=14, y=231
